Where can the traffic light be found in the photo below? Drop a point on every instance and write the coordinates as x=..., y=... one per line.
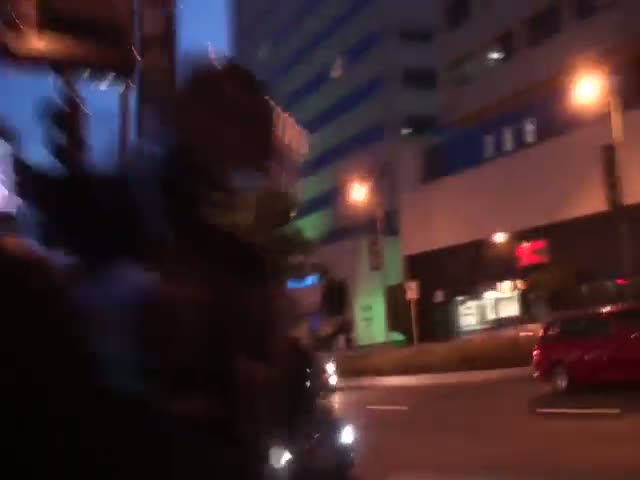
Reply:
x=66, y=133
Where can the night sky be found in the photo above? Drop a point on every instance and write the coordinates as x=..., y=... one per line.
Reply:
x=202, y=24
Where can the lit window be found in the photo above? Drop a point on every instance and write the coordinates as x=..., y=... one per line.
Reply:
x=337, y=69
x=508, y=142
x=495, y=55
x=501, y=50
x=530, y=130
x=489, y=146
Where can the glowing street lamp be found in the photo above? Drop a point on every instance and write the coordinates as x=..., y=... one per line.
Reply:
x=595, y=87
x=500, y=237
x=592, y=88
x=589, y=89
x=358, y=192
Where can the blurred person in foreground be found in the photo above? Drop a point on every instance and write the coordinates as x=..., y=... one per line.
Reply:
x=176, y=349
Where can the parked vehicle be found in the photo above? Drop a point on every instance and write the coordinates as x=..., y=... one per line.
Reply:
x=590, y=347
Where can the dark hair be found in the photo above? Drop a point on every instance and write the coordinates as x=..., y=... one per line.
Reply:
x=236, y=108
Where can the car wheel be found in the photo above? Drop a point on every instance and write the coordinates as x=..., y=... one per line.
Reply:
x=560, y=380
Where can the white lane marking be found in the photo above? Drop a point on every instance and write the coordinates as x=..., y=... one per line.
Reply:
x=581, y=411
x=387, y=407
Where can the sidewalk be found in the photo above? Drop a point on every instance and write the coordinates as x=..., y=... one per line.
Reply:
x=430, y=379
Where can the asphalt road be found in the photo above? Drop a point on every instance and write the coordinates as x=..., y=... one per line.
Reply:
x=510, y=429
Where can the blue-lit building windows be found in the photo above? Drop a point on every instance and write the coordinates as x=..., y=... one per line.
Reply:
x=530, y=130
x=489, y=146
x=508, y=139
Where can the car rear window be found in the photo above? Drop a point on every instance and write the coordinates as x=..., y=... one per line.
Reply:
x=588, y=326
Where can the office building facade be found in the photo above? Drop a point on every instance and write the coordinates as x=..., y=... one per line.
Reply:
x=520, y=182
x=360, y=76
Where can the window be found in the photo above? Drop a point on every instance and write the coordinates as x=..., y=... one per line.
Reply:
x=530, y=130
x=457, y=12
x=420, y=78
x=544, y=25
x=435, y=163
x=589, y=8
x=489, y=146
x=501, y=50
x=418, y=124
x=578, y=328
x=416, y=35
x=462, y=71
x=508, y=140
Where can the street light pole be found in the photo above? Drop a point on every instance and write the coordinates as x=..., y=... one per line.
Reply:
x=383, y=283
x=616, y=113
x=616, y=124
x=360, y=195
x=590, y=88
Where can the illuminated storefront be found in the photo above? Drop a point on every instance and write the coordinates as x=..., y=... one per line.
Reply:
x=489, y=309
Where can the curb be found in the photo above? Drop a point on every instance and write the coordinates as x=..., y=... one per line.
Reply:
x=430, y=379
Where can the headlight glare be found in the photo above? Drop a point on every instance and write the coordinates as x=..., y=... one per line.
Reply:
x=347, y=435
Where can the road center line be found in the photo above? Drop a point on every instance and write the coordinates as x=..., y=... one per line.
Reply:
x=387, y=407
x=581, y=411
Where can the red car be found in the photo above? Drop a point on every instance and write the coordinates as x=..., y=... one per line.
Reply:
x=599, y=346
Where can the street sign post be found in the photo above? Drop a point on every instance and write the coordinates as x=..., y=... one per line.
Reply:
x=412, y=294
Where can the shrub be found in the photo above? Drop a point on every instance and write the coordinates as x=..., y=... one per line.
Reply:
x=480, y=352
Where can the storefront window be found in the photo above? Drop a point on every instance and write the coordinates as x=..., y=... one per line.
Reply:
x=486, y=310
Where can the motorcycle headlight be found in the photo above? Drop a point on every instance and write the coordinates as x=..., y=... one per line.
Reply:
x=347, y=435
x=330, y=367
x=279, y=457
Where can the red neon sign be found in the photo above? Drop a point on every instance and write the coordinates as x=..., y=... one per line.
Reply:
x=535, y=252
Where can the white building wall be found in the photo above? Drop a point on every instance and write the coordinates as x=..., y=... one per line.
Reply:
x=554, y=181
x=579, y=42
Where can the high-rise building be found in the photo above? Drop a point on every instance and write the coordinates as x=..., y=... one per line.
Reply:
x=361, y=76
x=524, y=184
